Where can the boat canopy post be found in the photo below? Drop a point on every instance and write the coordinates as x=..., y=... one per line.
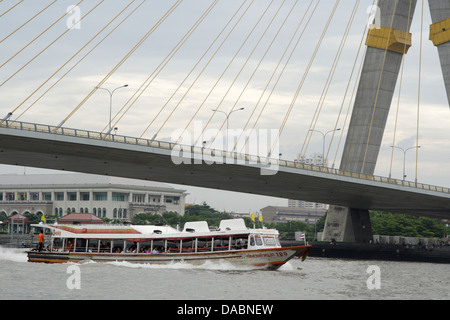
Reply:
x=87, y=245
x=75, y=245
x=212, y=244
x=112, y=246
x=181, y=246
x=196, y=245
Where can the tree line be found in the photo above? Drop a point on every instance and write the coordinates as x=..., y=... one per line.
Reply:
x=383, y=223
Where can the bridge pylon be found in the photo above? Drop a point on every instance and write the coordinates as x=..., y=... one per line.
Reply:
x=386, y=45
x=440, y=36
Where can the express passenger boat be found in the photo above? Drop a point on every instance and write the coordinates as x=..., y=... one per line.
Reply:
x=195, y=244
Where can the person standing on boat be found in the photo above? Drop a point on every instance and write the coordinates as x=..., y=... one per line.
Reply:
x=41, y=240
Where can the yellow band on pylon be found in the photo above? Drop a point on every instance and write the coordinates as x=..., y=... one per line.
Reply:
x=389, y=39
x=440, y=32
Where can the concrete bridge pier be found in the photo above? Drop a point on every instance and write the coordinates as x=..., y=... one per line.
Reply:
x=386, y=45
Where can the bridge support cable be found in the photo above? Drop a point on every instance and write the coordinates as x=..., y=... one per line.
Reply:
x=194, y=82
x=233, y=108
x=34, y=39
x=419, y=91
x=399, y=95
x=160, y=67
x=29, y=20
x=164, y=63
x=193, y=68
x=351, y=100
x=214, y=54
x=226, y=68
x=49, y=45
x=117, y=66
x=254, y=70
x=344, y=125
x=1, y=15
x=201, y=58
x=279, y=75
x=300, y=86
x=81, y=59
x=326, y=88
x=238, y=21
x=273, y=73
x=74, y=55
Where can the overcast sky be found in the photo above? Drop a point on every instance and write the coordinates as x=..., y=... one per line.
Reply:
x=231, y=74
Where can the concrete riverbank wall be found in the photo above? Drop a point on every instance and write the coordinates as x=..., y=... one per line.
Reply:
x=378, y=251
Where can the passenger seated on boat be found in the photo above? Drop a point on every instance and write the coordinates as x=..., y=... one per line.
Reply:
x=157, y=250
x=105, y=248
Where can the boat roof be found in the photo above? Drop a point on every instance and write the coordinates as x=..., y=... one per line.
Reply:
x=195, y=229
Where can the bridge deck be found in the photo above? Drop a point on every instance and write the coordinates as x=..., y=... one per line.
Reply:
x=43, y=146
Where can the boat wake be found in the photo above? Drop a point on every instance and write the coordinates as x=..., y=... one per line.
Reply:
x=13, y=254
x=216, y=265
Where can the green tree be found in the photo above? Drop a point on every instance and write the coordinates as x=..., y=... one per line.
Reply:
x=385, y=223
x=204, y=212
x=147, y=218
x=201, y=212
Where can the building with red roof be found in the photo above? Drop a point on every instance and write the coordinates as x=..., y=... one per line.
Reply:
x=80, y=218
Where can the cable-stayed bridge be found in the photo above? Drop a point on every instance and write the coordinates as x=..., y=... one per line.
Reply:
x=301, y=67
x=42, y=146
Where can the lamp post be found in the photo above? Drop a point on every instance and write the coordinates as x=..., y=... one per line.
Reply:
x=110, y=102
x=323, y=144
x=404, y=157
x=227, y=115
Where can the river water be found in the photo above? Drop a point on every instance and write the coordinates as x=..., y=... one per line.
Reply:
x=315, y=278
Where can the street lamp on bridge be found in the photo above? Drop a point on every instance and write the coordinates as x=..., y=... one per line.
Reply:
x=228, y=117
x=404, y=157
x=323, y=145
x=110, y=102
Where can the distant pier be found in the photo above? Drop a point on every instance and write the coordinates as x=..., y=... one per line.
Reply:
x=386, y=252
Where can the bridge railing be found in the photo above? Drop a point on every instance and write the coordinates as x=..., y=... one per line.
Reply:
x=215, y=153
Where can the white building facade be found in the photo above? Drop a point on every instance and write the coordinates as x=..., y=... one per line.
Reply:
x=103, y=196
x=306, y=204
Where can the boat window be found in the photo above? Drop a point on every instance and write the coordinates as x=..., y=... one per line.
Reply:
x=277, y=241
x=269, y=240
x=188, y=245
x=258, y=240
x=203, y=245
x=221, y=244
x=239, y=243
x=173, y=246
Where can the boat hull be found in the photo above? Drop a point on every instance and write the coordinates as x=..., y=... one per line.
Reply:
x=265, y=258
